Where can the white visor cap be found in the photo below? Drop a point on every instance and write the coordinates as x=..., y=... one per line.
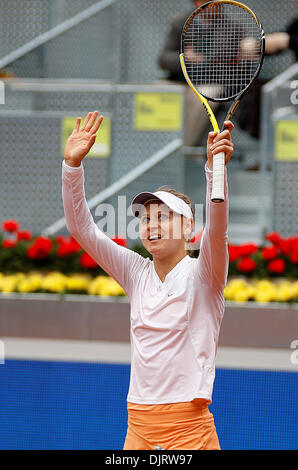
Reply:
x=176, y=204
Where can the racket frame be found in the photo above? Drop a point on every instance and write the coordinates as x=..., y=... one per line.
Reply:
x=219, y=159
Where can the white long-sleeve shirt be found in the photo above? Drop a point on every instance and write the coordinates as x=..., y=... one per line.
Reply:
x=174, y=324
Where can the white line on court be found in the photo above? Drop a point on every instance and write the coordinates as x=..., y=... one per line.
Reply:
x=119, y=353
x=66, y=350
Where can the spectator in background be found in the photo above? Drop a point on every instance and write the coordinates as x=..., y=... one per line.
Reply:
x=196, y=120
x=169, y=57
x=248, y=116
x=280, y=41
x=250, y=109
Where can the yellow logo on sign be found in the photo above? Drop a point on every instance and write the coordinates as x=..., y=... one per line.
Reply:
x=158, y=112
x=286, y=140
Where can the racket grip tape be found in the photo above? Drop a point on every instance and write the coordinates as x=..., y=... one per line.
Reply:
x=218, y=179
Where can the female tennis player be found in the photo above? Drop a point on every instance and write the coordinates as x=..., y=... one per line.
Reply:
x=177, y=302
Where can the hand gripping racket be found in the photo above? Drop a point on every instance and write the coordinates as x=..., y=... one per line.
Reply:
x=222, y=51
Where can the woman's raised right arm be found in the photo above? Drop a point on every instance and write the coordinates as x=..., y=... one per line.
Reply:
x=117, y=261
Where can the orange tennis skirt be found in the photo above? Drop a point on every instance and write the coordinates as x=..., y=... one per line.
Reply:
x=187, y=425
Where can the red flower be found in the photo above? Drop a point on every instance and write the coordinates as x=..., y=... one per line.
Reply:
x=24, y=235
x=87, y=262
x=8, y=243
x=248, y=249
x=61, y=239
x=120, y=241
x=75, y=243
x=246, y=265
x=294, y=254
x=68, y=247
x=40, y=249
x=10, y=225
x=277, y=266
x=234, y=253
x=286, y=245
x=274, y=237
x=270, y=252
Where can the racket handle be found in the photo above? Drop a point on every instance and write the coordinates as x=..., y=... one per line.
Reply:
x=218, y=179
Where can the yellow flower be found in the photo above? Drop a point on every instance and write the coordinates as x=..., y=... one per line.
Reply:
x=20, y=276
x=105, y=286
x=77, y=282
x=237, y=290
x=25, y=286
x=284, y=292
x=112, y=288
x=294, y=288
x=54, y=282
x=35, y=280
x=241, y=296
x=96, y=285
x=265, y=291
x=31, y=283
x=8, y=283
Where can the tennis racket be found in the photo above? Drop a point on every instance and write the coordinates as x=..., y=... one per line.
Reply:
x=222, y=51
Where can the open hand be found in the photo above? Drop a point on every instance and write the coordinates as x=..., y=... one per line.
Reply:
x=81, y=140
x=220, y=142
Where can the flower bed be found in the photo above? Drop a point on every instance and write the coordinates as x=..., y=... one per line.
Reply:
x=275, y=258
x=21, y=251
x=243, y=290
x=34, y=263
x=59, y=283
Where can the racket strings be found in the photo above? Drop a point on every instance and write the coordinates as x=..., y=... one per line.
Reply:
x=222, y=50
